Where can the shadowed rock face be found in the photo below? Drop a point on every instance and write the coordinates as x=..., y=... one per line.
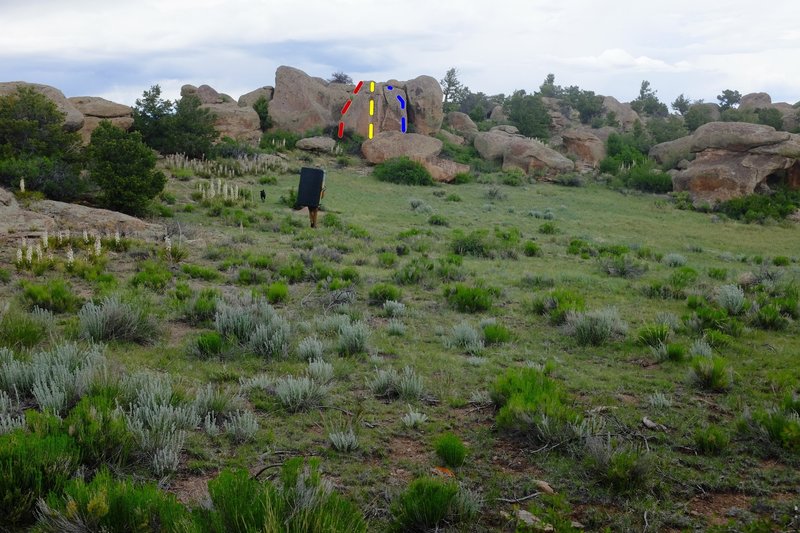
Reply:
x=96, y=110
x=734, y=159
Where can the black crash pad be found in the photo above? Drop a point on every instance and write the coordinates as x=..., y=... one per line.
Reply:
x=312, y=180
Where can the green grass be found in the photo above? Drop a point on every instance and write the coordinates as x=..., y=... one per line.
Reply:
x=538, y=372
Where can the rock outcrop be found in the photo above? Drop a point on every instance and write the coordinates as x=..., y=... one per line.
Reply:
x=95, y=110
x=452, y=138
x=73, y=120
x=462, y=124
x=301, y=103
x=734, y=159
x=672, y=151
x=624, y=113
x=421, y=148
x=755, y=101
x=316, y=144
x=518, y=151
x=206, y=94
x=231, y=120
x=587, y=148
x=248, y=99
x=390, y=144
x=17, y=222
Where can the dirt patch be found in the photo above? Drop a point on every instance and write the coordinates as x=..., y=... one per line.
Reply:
x=714, y=507
x=192, y=489
x=628, y=399
x=178, y=331
x=511, y=458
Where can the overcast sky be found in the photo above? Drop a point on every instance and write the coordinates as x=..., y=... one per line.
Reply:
x=118, y=48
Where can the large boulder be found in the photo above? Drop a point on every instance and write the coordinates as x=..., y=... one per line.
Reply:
x=388, y=112
x=498, y=114
x=585, y=146
x=317, y=144
x=425, y=109
x=444, y=170
x=491, y=145
x=735, y=136
x=531, y=155
x=672, y=151
x=97, y=109
x=390, y=144
x=240, y=123
x=462, y=124
x=452, y=138
x=301, y=103
x=791, y=115
x=73, y=120
x=247, y=100
x=206, y=94
x=734, y=159
x=624, y=113
x=755, y=101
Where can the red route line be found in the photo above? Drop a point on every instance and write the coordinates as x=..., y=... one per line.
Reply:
x=346, y=106
x=341, y=130
x=358, y=87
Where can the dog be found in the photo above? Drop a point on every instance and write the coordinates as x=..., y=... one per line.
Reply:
x=263, y=195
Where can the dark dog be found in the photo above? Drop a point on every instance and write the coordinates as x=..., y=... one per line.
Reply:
x=263, y=195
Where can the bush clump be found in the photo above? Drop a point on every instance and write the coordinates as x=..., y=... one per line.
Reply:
x=470, y=299
x=404, y=171
x=711, y=440
x=381, y=293
x=451, y=450
x=55, y=295
x=115, y=320
x=532, y=403
x=557, y=304
x=425, y=504
x=595, y=327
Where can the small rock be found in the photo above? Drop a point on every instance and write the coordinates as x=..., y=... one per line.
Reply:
x=544, y=486
x=649, y=424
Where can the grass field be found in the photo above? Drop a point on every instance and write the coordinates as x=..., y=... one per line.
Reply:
x=700, y=432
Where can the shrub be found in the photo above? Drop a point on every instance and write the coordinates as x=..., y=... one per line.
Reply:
x=415, y=271
x=496, y=333
x=645, y=177
x=208, y=344
x=114, y=320
x=654, y=334
x=413, y=419
x=475, y=244
x=320, y=371
x=113, y=505
x=394, y=309
x=438, y=220
x=310, y=349
x=201, y=307
x=152, y=275
x=277, y=292
x=770, y=317
x=238, y=320
x=300, y=500
x=674, y=260
x=387, y=259
x=395, y=328
x=711, y=373
x=383, y=292
x=548, y=228
x=25, y=330
x=465, y=337
x=531, y=402
x=470, y=299
x=124, y=168
x=270, y=338
x=392, y=384
x=781, y=261
x=56, y=295
x=622, y=266
x=402, y=170
x=711, y=440
x=30, y=467
x=557, y=304
x=241, y=426
x=353, y=338
x=300, y=394
x=621, y=468
x=595, y=327
x=200, y=272
x=720, y=274
x=761, y=207
x=731, y=299
x=425, y=504
x=100, y=430
x=532, y=249
x=782, y=427
x=450, y=450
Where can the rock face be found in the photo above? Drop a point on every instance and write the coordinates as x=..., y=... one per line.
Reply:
x=755, y=101
x=206, y=94
x=734, y=159
x=302, y=103
x=520, y=152
x=672, y=150
x=425, y=110
x=97, y=109
x=462, y=124
x=451, y=138
x=389, y=144
x=624, y=113
x=247, y=100
x=585, y=146
x=240, y=123
x=317, y=144
x=74, y=118
x=498, y=114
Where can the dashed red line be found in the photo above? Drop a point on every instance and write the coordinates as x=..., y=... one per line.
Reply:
x=346, y=106
x=358, y=87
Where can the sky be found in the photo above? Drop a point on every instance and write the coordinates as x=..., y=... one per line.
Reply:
x=118, y=48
